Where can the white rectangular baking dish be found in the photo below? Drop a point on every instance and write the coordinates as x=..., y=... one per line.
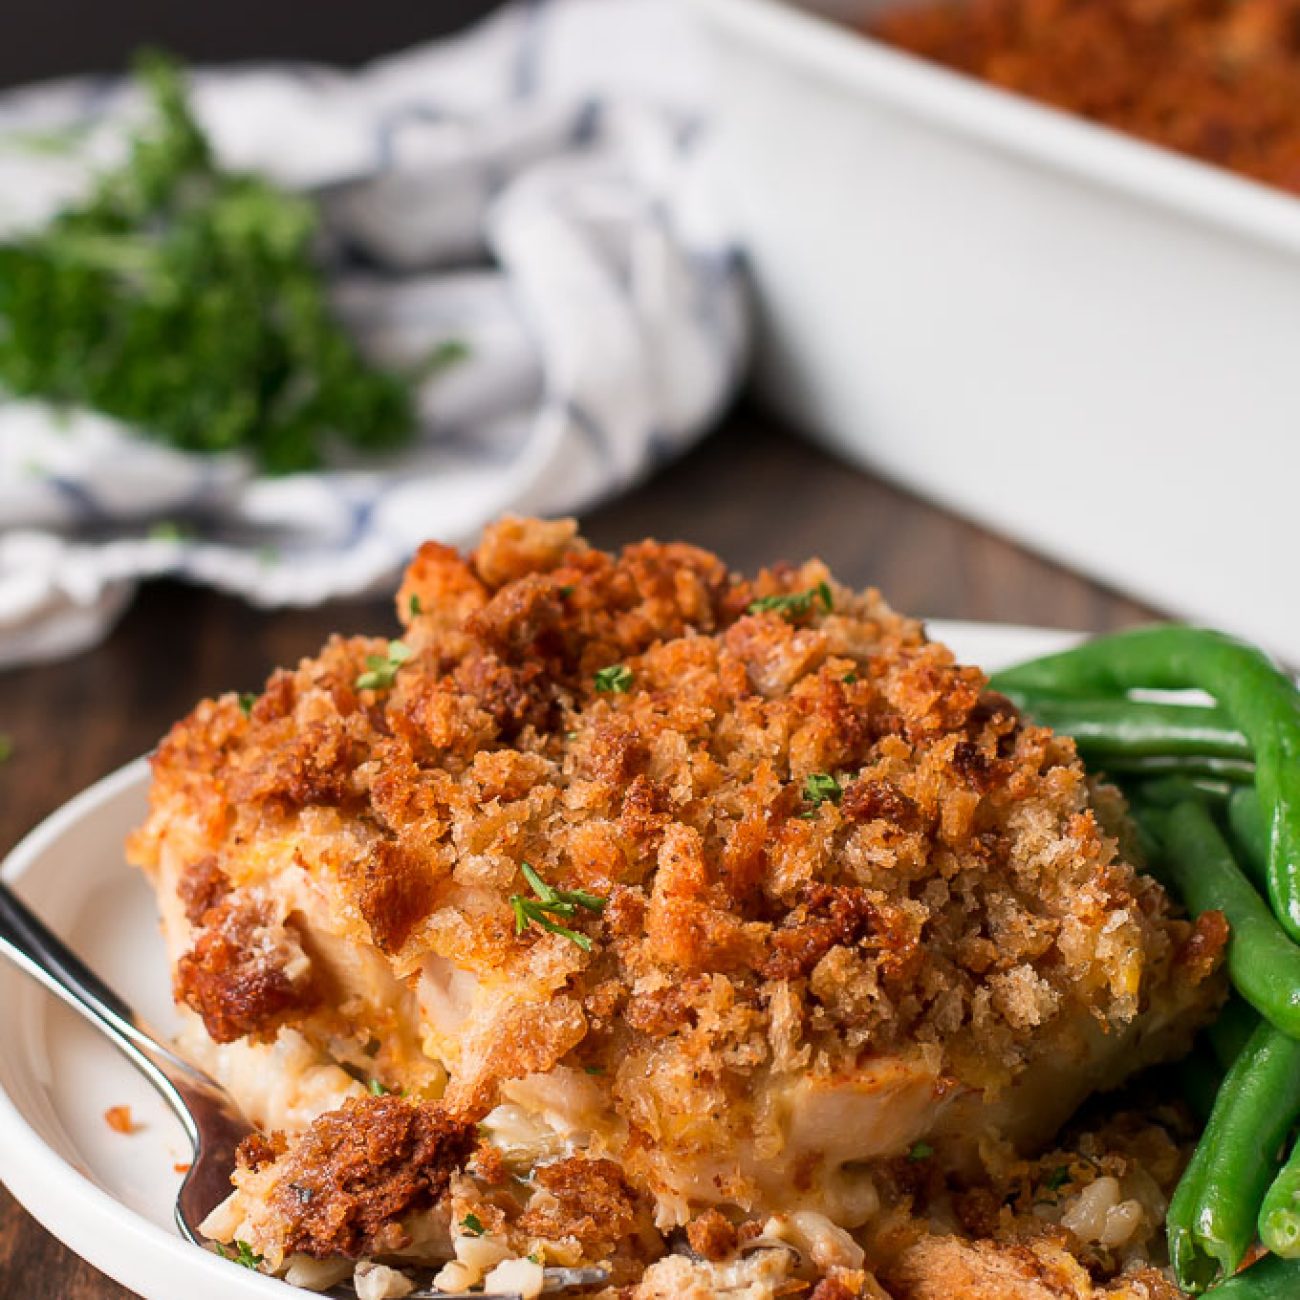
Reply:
x=1077, y=338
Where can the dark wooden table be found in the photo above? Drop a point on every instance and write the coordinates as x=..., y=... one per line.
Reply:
x=753, y=493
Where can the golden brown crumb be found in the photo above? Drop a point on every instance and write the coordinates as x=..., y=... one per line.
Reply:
x=345, y=1186
x=587, y=1200
x=202, y=885
x=118, y=1118
x=948, y=1268
x=830, y=1288
x=712, y=1235
x=1202, y=952
x=239, y=976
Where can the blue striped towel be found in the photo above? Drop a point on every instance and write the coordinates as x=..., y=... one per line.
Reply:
x=536, y=185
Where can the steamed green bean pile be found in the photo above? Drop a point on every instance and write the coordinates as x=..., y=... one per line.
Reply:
x=1215, y=791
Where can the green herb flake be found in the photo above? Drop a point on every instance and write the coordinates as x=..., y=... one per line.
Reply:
x=566, y=591
x=381, y=670
x=820, y=788
x=378, y=1089
x=448, y=353
x=472, y=1225
x=794, y=604
x=242, y=1255
x=414, y=606
x=616, y=679
x=920, y=1151
x=55, y=141
x=246, y=701
x=1057, y=1178
x=849, y=678
x=550, y=903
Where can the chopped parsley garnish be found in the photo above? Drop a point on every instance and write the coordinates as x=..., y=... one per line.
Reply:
x=920, y=1151
x=617, y=678
x=171, y=251
x=794, y=603
x=1057, y=1178
x=243, y=1255
x=473, y=1225
x=246, y=701
x=820, y=788
x=381, y=670
x=378, y=1089
x=550, y=903
x=415, y=607
x=849, y=678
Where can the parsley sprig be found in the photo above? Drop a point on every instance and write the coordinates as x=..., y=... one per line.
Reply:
x=794, y=603
x=820, y=788
x=616, y=679
x=473, y=1225
x=381, y=670
x=185, y=300
x=550, y=903
x=243, y=1254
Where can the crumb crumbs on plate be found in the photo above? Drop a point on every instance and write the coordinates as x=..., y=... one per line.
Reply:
x=119, y=1119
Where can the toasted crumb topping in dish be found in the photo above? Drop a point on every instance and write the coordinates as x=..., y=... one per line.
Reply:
x=1216, y=79
x=726, y=971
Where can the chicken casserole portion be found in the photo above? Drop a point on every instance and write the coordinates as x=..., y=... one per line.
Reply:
x=626, y=902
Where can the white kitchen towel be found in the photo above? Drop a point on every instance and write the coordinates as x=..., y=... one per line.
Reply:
x=535, y=188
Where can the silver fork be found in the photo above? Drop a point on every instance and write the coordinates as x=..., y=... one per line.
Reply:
x=211, y=1119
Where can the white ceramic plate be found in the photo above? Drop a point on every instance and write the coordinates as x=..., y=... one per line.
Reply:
x=109, y=1196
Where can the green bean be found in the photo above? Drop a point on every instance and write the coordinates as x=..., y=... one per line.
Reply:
x=1279, y=1216
x=1249, y=831
x=1269, y=1279
x=1137, y=728
x=1211, y=1219
x=1263, y=964
x=1193, y=767
x=1165, y=791
x=1260, y=699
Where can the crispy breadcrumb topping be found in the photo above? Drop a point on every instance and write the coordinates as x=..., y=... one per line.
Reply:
x=962, y=892
x=718, y=873
x=349, y=1183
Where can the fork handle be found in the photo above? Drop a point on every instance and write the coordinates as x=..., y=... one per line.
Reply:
x=31, y=946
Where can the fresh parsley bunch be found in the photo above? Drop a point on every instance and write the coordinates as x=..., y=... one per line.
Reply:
x=184, y=300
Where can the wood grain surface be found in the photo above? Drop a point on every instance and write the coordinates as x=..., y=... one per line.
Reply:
x=752, y=492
